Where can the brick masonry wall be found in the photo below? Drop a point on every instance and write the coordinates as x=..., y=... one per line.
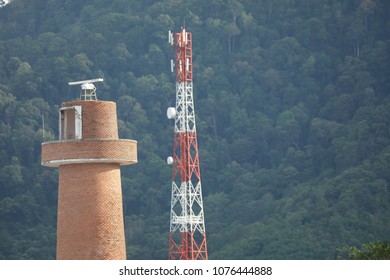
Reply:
x=99, y=118
x=123, y=151
x=90, y=218
x=90, y=213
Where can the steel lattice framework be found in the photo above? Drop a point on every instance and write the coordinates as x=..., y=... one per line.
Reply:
x=187, y=239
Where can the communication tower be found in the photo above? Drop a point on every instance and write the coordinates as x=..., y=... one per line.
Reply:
x=187, y=240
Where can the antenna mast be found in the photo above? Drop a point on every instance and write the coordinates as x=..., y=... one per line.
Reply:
x=187, y=240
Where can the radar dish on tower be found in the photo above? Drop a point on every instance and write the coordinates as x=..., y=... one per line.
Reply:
x=88, y=89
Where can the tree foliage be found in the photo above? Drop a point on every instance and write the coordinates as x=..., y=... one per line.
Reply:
x=378, y=250
x=292, y=107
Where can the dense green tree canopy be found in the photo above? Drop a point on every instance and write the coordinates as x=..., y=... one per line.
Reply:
x=379, y=250
x=293, y=115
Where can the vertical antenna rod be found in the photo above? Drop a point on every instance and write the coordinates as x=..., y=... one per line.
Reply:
x=187, y=239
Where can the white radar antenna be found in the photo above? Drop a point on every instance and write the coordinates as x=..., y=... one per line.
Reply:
x=88, y=89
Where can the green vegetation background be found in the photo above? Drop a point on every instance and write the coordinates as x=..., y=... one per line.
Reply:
x=293, y=119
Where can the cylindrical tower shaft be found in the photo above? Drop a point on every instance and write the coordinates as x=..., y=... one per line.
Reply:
x=187, y=229
x=90, y=217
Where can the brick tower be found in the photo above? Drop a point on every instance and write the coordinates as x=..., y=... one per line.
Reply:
x=89, y=155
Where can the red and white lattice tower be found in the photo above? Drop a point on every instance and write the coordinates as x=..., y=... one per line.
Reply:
x=187, y=240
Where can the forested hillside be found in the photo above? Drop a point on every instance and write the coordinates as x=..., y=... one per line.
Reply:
x=293, y=119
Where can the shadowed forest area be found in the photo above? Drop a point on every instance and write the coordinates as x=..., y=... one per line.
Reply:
x=292, y=106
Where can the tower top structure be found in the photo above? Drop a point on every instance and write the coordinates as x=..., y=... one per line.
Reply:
x=88, y=89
